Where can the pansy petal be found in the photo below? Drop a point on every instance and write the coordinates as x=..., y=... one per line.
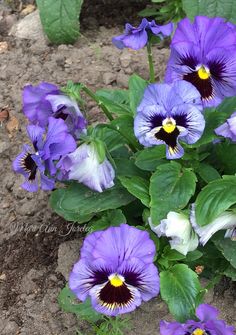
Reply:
x=136, y=40
x=30, y=185
x=174, y=153
x=57, y=134
x=85, y=275
x=17, y=164
x=223, y=71
x=206, y=312
x=89, y=245
x=105, y=300
x=171, y=328
x=219, y=327
x=121, y=243
x=162, y=31
x=36, y=135
x=34, y=106
x=155, y=95
x=189, y=117
x=142, y=276
x=47, y=184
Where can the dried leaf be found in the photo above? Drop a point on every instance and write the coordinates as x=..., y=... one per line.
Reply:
x=12, y=125
x=4, y=114
x=27, y=10
x=3, y=47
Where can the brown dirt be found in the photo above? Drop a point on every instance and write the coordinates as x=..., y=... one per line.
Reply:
x=30, y=234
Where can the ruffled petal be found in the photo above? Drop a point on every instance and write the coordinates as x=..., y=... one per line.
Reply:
x=206, y=312
x=171, y=328
x=36, y=109
x=124, y=242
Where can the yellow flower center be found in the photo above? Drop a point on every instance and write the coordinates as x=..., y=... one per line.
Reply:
x=169, y=125
x=116, y=281
x=203, y=73
x=198, y=331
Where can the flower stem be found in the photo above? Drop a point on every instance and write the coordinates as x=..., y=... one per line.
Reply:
x=98, y=101
x=150, y=62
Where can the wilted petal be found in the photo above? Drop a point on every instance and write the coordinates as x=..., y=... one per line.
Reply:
x=225, y=220
x=177, y=227
x=87, y=169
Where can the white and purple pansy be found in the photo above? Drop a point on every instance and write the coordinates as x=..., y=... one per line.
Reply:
x=116, y=270
x=169, y=113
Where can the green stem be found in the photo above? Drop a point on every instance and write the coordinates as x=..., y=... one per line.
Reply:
x=150, y=62
x=98, y=101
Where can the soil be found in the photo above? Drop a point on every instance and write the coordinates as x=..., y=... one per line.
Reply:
x=38, y=248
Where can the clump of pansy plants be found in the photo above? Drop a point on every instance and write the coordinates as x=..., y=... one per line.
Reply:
x=155, y=184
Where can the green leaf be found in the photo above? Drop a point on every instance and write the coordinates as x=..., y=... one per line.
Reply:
x=138, y=187
x=211, y=8
x=214, y=118
x=226, y=246
x=179, y=288
x=126, y=167
x=55, y=199
x=100, y=149
x=193, y=256
x=150, y=158
x=171, y=254
x=171, y=188
x=207, y=172
x=110, y=218
x=226, y=156
x=69, y=303
x=116, y=101
x=79, y=200
x=230, y=272
x=137, y=86
x=125, y=126
x=214, y=199
x=60, y=19
x=148, y=12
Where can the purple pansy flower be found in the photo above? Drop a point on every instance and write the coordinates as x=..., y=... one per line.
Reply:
x=204, y=54
x=136, y=38
x=45, y=100
x=207, y=323
x=228, y=129
x=168, y=113
x=116, y=270
x=37, y=162
x=84, y=166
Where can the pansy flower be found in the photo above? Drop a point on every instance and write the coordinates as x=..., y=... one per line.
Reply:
x=116, y=270
x=84, y=166
x=204, y=54
x=45, y=100
x=177, y=227
x=225, y=221
x=228, y=129
x=207, y=323
x=36, y=162
x=169, y=113
x=137, y=37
